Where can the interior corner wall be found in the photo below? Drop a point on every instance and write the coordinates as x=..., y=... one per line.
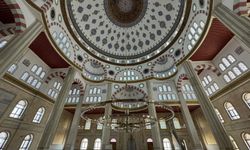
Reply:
x=235, y=128
x=204, y=130
x=62, y=130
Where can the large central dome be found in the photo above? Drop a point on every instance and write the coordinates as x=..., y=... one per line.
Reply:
x=125, y=31
x=127, y=40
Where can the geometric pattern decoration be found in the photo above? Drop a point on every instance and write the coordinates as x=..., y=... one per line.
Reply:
x=122, y=34
x=54, y=75
x=179, y=82
x=18, y=15
x=46, y=6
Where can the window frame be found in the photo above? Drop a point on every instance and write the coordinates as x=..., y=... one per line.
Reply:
x=97, y=144
x=246, y=141
x=16, y=112
x=231, y=111
x=246, y=101
x=166, y=144
x=12, y=68
x=84, y=144
x=25, y=145
x=39, y=115
x=4, y=140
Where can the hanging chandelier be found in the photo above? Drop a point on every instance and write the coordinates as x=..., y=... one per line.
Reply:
x=127, y=119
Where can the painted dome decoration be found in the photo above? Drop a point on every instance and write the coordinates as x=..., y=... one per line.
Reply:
x=122, y=34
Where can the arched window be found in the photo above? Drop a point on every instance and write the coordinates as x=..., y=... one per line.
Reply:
x=34, y=68
x=219, y=115
x=3, y=139
x=113, y=140
x=147, y=124
x=25, y=76
x=150, y=140
x=222, y=67
x=87, y=124
x=242, y=67
x=231, y=58
x=160, y=89
x=166, y=144
x=237, y=71
x=26, y=142
x=231, y=75
x=12, y=68
x=39, y=115
x=226, y=78
x=99, y=126
x=53, y=92
x=3, y=43
x=176, y=122
x=188, y=92
x=42, y=75
x=216, y=86
x=39, y=70
x=30, y=79
x=234, y=143
x=163, y=124
x=246, y=99
x=233, y=114
x=19, y=109
x=84, y=144
x=160, y=97
x=38, y=85
x=225, y=62
x=246, y=138
x=34, y=82
x=97, y=144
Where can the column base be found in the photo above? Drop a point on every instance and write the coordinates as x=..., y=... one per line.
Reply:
x=197, y=148
x=107, y=147
x=68, y=147
x=43, y=148
x=157, y=148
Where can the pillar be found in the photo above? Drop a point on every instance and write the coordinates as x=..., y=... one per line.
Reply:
x=193, y=134
x=239, y=25
x=50, y=130
x=218, y=130
x=106, y=129
x=71, y=138
x=18, y=46
x=155, y=131
x=174, y=136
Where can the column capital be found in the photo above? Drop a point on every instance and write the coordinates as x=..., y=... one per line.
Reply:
x=239, y=25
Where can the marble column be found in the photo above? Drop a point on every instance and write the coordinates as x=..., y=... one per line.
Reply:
x=155, y=130
x=193, y=134
x=207, y=107
x=239, y=25
x=173, y=135
x=106, y=129
x=18, y=46
x=71, y=139
x=50, y=130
